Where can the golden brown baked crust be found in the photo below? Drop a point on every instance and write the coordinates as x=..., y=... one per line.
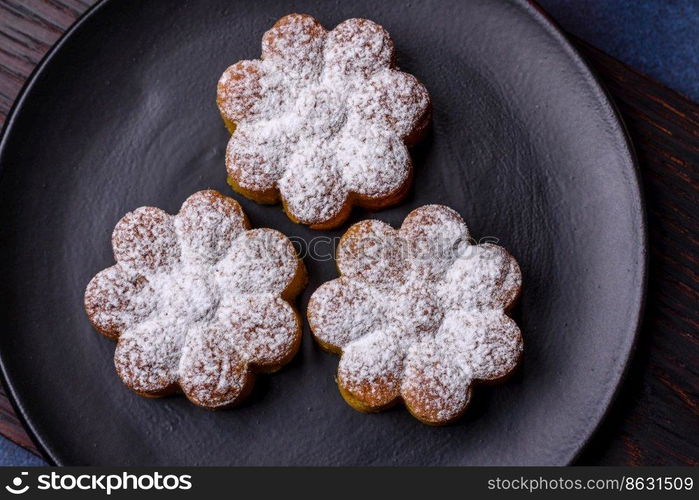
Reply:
x=198, y=302
x=418, y=315
x=322, y=121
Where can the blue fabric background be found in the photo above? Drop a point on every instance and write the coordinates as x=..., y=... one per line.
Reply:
x=658, y=37
x=11, y=454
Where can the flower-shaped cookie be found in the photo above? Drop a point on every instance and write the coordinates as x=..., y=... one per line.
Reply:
x=322, y=121
x=418, y=314
x=197, y=302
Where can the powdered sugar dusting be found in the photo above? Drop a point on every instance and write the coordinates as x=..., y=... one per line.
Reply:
x=339, y=311
x=434, y=384
x=321, y=116
x=195, y=299
x=430, y=301
x=486, y=341
x=370, y=365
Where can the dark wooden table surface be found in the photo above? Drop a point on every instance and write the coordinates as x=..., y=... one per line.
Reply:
x=655, y=420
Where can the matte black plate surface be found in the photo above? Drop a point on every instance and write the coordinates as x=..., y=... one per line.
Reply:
x=525, y=146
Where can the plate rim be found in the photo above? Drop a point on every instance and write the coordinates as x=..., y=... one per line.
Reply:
x=22, y=416
x=552, y=28
x=555, y=29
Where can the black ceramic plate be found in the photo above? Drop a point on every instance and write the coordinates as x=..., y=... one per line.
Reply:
x=525, y=145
